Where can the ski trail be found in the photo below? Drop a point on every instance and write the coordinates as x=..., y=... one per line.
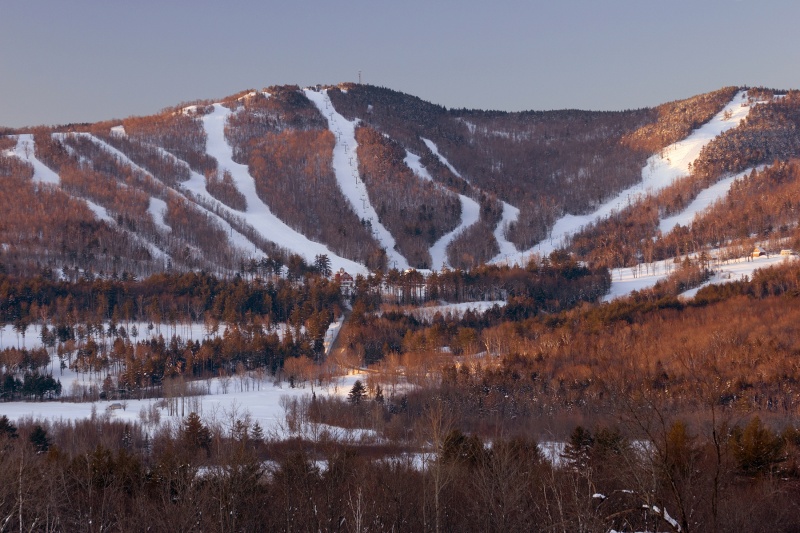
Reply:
x=345, y=167
x=258, y=214
x=703, y=201
x=236, y=239
x=510, y=213
x=435, y=149
x=660, y=171
x=157, y=208
x=470, y=213
x=25, y=151
x=507, y=248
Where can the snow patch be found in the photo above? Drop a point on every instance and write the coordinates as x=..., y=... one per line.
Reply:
x=157, y=210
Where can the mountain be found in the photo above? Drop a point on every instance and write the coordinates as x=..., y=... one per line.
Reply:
x=377, y=179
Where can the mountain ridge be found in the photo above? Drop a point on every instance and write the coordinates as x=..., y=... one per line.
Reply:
x=416, y=168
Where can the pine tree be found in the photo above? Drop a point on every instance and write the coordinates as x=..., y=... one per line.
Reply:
x=357, y=393
x=323, y=264
x=7, y=429
x=39, y=439
x=195, y=434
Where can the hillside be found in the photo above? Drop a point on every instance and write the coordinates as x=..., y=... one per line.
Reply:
x=377, y=179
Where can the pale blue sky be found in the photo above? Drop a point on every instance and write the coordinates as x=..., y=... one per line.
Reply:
x=88, y=60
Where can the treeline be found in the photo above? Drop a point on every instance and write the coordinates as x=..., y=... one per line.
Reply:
x=545, y=287
x=162, y=298
x=415, y=211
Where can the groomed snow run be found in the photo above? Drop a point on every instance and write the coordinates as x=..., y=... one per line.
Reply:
x=236, y=239
x=345, y=167
x=507, y=249
x=626, y=280
x=703, y=201
x=510, y=213
x=661, y=171
x=435, y=149
x=470, y=213
x=157, y=209
x=25, y=151
x=258, y=214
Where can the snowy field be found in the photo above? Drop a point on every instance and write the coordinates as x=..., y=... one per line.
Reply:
x=245, y=398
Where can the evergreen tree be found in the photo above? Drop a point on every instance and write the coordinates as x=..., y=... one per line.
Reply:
x=39, y=439
x=7, y=429
x=195, y=434
x=357, y=393
x=323, y=264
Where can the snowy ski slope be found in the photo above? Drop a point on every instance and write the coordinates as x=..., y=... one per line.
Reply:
x=661, y=170
x=470, y=214
x=345, y=167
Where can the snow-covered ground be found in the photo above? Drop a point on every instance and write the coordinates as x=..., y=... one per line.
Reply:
x=345, y=167
x=507, y=248
x=261, y=401
x=510, y=213
x=42, y=174
x=661, y=170
x=260, y=398
x=435, y=149
x=157, y=210
x=470, y=214
x=626, y=280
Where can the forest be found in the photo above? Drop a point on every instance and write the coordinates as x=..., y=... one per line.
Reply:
x=550, y=413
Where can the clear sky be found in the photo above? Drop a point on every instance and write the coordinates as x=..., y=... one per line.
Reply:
x=88, y=60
